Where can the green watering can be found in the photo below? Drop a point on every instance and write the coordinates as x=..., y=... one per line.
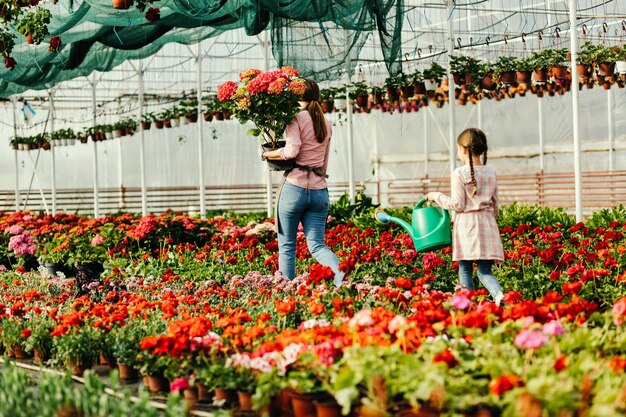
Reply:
x=430, y=229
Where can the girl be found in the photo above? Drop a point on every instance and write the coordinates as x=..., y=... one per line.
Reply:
x=304, y=196
x=474, y=198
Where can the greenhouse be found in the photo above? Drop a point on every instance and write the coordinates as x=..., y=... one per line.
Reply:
x=291, y=208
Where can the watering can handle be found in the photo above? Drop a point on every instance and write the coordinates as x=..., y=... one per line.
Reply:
x=421, y=202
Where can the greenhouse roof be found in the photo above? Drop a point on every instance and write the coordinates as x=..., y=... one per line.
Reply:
x=322, y=38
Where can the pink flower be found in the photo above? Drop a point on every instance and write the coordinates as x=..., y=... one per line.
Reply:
x=460, y=302
x=297, y=86
x=290, y=72
x=530, y=339
x=277, y=86
x=97, y=239
x=553, y=328
x=179, y=384
x=23, y=244
x=226, y=91
x=397, y=323
x=15, y=230
x=619, y=310
x=362, y=319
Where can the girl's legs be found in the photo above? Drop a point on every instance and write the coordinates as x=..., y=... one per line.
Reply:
x=290, y=209
x=465, y=274
x=489, y=280
x=314, y=223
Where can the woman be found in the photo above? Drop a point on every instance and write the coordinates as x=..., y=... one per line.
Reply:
x=304, y=195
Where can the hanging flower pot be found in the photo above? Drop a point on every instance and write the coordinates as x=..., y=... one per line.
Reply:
x=524, y=77
x=507, y=77
x=361, y=101
x=487, y=82
x=606, y=85
x=541, y=75
x=559, y=72
x=146, y=125
x=606, y=69
x=419, y=88
x=589, y=83
x=328, y=106
x=583, y=71
x=167, y=123
x=431, y=85
x=469, y=78
x=408, y=91
x=122, y=4
x=158, y=124
x=208, y=117
x=392, y=94
x=459, y=79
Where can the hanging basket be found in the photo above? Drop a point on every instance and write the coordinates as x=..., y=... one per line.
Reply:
x=122, y=4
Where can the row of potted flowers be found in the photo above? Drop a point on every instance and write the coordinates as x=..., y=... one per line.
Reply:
x=187, y=317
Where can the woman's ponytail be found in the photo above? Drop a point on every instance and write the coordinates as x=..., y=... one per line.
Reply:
x=312, y=97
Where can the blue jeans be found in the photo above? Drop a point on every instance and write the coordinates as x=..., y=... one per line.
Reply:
x=297, y=204
x=484, y=275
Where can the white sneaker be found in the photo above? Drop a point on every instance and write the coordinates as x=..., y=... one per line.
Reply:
x=498, y=299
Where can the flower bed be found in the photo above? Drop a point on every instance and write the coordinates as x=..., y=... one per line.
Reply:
x=195, y=301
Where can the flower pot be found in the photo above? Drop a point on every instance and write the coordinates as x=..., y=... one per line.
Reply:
x=54, y=269
x=207, y=117
x=218, y=115
x=278, y=165
x=559, y=72
x=283, y=402
x=40, y=357
x=192, y=118
x=122, y=4
x=174, y=122
x=245, y=401
x=524, y=77
x=182, y=120
x=459, y=79
x=226, y=115
x=327, y=409
x=408, y=91
x=369, y=411
x=540, y=75
x=620, y=67
x=167, y=123
x=119, y=133
x=18, y=352
x=228, y=395
x=303, y=405
x=583, y=71
x=191, y=395
x=606, y=69
x=487, y=83
x=361, y=101
x=203, y=394
x=508, y=77
x=127, y=373
x=146, y=125
x=158, y=124
x=328, y=106
x=158, y=383
x=78, y=367
x=29, y=39
x=419, y=88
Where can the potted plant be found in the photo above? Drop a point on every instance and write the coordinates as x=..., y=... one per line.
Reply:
x=271, y=108
x=146, y=120
x=586, y=60
x=7, y=42
x=125, y=348
x=554, y=60
x=189, y=110
x=523, y=70
x=40, y=339
x=327, y=95
x=620, y=64
x=34, y=25
x=359, y=93
x=433, y=76
x=78, y=347
x=504, y=69
x=82, y=135
x=417, y=77
x=378, y=95
x=15, y=331
x=606, y=57
x=464, y=69
x=392, y=85
x=485, y=75
x=54, y=255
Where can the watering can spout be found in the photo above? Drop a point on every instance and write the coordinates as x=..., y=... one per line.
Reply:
x=383, y=217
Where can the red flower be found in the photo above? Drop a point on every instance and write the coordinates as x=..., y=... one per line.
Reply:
x=153, y=14
x=9, y=63
x=560, y=363
x=26, y=333
x=226, y=91
x=55, y=44
x=618, y=363
x=446, y=357
x=505, y=383
x=572, y=288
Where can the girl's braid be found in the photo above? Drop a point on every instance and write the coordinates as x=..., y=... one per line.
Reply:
x=471, y=163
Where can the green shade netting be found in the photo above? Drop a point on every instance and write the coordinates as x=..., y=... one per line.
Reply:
x=322, y=38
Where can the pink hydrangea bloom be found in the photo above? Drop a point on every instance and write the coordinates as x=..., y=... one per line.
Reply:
x=179, y=384
x=15, y=230
x=97, y=240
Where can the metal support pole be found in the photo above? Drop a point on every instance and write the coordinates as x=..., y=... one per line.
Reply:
x=142, y=156
x=53, y=168
x=17, y=178
x=609, y=98
x=374, y=134
x=480, y=114
x=451, y=112
x=96, y=208
x=268, y=172
x=541, y=140
x=577, y=165
x=426, y=144
x=350, y=146
x=120, y=172
x=200, y=135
